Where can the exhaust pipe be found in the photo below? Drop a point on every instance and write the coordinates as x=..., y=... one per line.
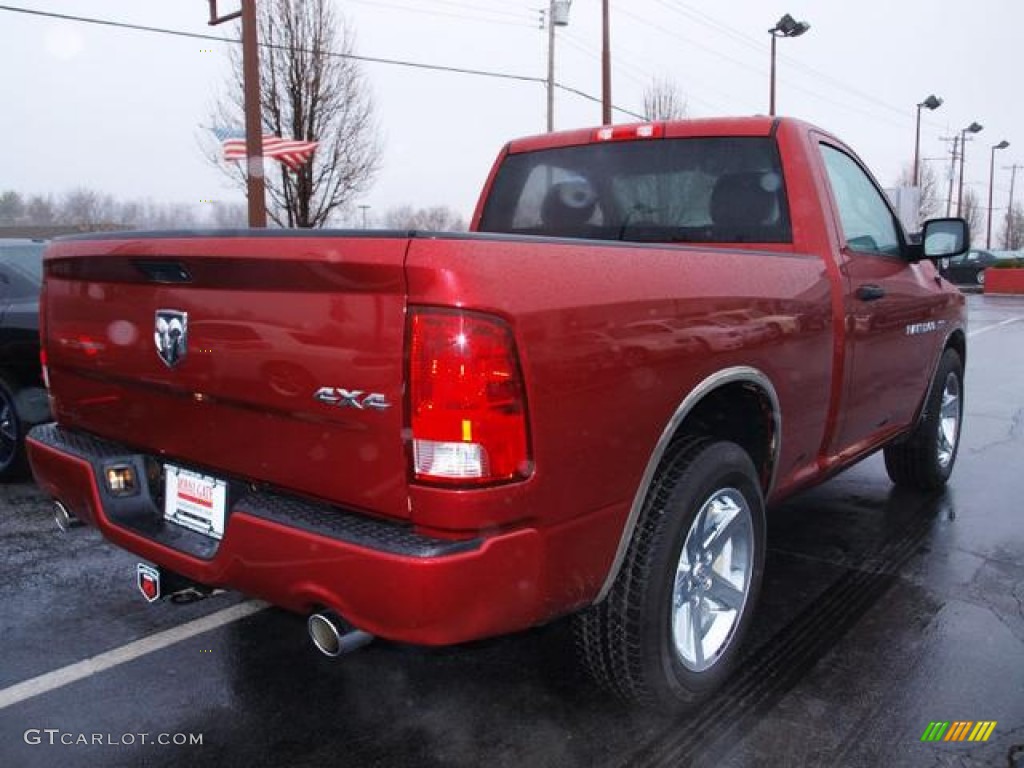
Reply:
x=333, y=637
x=64, y=518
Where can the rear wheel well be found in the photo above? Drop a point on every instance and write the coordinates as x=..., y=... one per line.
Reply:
x=742, y=413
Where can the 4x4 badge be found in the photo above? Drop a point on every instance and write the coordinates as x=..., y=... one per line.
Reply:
x=171, y=336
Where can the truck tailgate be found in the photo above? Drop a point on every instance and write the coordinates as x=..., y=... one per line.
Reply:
x=288, y=370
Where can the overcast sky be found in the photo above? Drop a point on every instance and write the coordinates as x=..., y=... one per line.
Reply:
x=120, y=111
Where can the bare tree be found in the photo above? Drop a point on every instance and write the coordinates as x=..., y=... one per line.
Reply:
x=228, y=215
x=972, y=211
x=664, y=100
x=12, y=207
x=309, y=90
x=88, y=209
x=439, y=218
x=1013, y=229
x=932, y=200
x=41, y=210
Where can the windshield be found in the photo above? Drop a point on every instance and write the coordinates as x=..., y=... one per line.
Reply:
x=713, y=190
x=24, y=259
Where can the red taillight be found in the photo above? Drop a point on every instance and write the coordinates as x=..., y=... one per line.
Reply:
x=42, y=337
x=42, y=364
x=467, y=400
x=627, y=132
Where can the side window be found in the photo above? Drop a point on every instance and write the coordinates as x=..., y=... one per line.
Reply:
x=868, y=224
x=21, y=272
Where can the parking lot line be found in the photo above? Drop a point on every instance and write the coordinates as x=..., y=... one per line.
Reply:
x=985, y=329
x=80, y=670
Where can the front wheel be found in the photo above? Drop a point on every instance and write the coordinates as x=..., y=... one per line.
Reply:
x=12, y=451
x=670, y=630
x=924, y=461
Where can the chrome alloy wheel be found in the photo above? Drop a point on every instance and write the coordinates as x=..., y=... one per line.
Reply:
x=712, y=579
x=949, y=419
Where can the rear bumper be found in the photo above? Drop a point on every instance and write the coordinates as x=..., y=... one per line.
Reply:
x=382, y=577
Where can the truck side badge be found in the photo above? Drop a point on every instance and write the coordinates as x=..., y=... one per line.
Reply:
x=352, y=398
x=171, y=336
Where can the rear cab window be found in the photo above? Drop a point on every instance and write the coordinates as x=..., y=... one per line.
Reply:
x=704, y=189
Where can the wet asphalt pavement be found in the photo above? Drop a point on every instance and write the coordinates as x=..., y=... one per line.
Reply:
x=881, y=612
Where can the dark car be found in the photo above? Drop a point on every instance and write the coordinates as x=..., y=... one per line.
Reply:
x=23, y=401
x=969, y=269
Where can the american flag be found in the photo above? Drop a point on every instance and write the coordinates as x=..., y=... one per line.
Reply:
x=294, y=153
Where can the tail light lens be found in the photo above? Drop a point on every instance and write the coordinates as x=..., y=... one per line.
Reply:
x=42, y=338
x=467, y=400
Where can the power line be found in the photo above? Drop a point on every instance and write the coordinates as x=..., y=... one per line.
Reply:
x=520, y=21
x=237, y=41
x=756, y=69
x=518, y=14
x=753, y=43
x=597, y=100
x=353, y=56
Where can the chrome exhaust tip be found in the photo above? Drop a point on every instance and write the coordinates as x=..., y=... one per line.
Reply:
x=333, y=637
x=64, y=518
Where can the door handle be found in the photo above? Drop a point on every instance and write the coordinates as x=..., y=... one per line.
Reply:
x=870, y=292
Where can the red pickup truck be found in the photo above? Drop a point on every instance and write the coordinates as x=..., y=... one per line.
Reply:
x=582, y=406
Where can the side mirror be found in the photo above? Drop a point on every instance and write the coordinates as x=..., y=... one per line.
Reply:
x=944, y=238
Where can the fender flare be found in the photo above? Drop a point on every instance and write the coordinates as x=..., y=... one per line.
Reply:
x=738, y=374
x=946, y=344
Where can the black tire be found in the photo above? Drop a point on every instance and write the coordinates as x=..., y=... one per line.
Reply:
x=13, y=465
x=979, y=277
x=924, y=460
x=627, y=643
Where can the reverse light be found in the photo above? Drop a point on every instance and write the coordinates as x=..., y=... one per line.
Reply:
x=121, y=480
x=467, y=400
x=44, y=367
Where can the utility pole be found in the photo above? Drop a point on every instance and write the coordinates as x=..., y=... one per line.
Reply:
x=558, y=16
x=364, y=208
x=551, y=66
x=952, y=172
x=606, y=66
x=1009, y=236
x=254, y=173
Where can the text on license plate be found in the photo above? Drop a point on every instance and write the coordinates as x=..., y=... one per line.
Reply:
x=194, y=501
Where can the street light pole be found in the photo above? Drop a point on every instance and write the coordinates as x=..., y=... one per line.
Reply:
x=932, y=102
x=787, y=26
x=972, y=128
x=991, y=180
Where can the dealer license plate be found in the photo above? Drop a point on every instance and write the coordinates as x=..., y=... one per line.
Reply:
x=195, y=501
